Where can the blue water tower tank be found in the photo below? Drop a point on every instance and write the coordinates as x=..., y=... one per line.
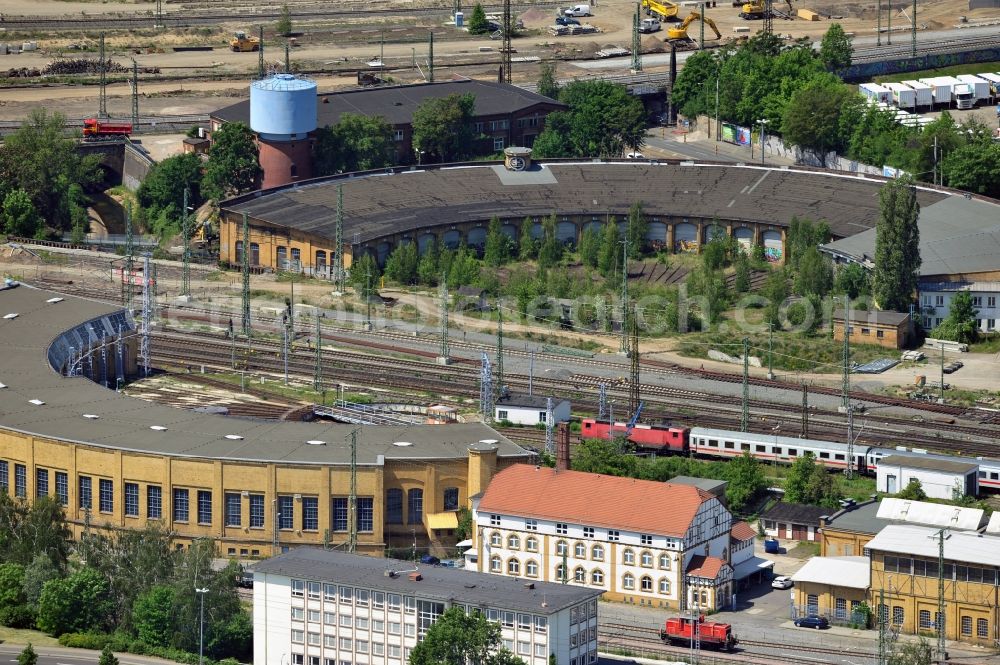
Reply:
x=283, y=107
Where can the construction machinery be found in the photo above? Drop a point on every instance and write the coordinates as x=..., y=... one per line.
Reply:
x=754, y=10
x=680, y=33
x=243, y=43
x=661, y=9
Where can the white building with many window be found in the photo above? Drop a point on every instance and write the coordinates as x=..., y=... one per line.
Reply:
x=321, y=607
x=530, y=409
x=936, y=297
x=636, y=541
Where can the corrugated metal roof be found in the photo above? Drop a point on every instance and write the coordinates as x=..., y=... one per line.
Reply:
x=842, y=571
x=929, y=463
x=927, y=513
x=994, y=524
x=961, y=546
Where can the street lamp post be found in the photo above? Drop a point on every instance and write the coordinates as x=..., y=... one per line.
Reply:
x=201, y=624
x=763, y=129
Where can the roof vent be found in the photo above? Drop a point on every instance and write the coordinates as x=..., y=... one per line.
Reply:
x=53, y=301
x=3, y=385
x=516, y=158
x=158, y=428
x=313, y=442
x=469, y=586
x=36, y=402
x=234, y=437
x=402, y=444
x=415, y=576
x=488, y=442
x=529, y=585
x=12, y=315
x=91, y=416
x=390, y=573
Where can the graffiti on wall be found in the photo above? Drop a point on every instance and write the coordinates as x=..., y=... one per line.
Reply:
x=866, y=70
x=686, y=246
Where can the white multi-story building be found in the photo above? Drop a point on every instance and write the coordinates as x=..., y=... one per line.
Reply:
x=530, y=409
x=320, y=607
x=636, y=541
x=936, y=297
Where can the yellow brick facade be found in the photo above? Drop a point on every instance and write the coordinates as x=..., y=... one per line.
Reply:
x=262, y=482
x=842, y=543
x=828, y=599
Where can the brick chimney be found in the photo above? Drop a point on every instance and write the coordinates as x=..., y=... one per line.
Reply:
x=562, y=447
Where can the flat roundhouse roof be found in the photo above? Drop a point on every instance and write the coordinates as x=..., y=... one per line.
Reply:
x=124, y=422
x=380, y=204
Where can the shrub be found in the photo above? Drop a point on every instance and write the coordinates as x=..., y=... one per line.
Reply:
x=93, y=641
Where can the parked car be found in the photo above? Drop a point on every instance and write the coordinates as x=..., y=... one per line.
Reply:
x=782, y=582
x=566, y=20
x=430, y=560
x=635, y=155
x=812, y=621
x=577, y=10
x=245, y=580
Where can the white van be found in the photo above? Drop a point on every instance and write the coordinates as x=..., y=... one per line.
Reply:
x=577, y=10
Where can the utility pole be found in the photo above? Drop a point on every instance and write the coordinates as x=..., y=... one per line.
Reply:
x=881, y=619
x=147, y=317
x=129, y=269
x=941, y=385
x=636, y=43
x=913, y=31
x=186, y=232
x=246, y=276
x=135, y=94
x=102, y=111
x=768, y=26
x=624, y=340
x=159, y=14
x=805, y=411
x=550, y=440
x=939, y=623
x=846, y=379
x=430, y=58
x=849, y=469
x=499, y=371
x=745, y=414
x=506, y=48
x=232, y=344
x=260, y=52
x=352, y=498
x=286, y=324
x=633, y=383
x=770, y=350
x=443, y=357
x=368, y=297
x=338, y=259
x=888, y=19
x=701, y=26
x=288, y=63
x=531, y=372
x=486, y=388
x=602, y=401
x=318, y=370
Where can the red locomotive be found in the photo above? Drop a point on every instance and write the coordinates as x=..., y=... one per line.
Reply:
x=711, y=635
x=98, y=129
x=659, y=438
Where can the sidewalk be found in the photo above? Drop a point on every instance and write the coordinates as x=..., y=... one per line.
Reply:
x=677, y=143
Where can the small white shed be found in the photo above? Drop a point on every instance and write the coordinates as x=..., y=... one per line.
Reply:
x=530, y=409
x=939, y=478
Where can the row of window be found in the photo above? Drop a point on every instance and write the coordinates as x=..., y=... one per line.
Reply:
x=513, y=542
x=378, y=648
x=562, y=529
x=580, y=575
x=762, y=448
x=977, y=301
x=929, y=568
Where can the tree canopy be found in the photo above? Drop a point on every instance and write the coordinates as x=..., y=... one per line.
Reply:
x=478, y=25
x=161, y=193
x=233, y=167
x=897, y=246
x=812, y=117
x=355, y=143
x=960, y=324
x=836, y=50
x=442, y=128
x=457, y=638
x=809, y=482
x=603, y=120
x=547, y=84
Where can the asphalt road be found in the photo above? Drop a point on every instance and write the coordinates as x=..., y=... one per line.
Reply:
x=63, y=656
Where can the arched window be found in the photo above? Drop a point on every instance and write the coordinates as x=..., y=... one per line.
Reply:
x=513, y=567
x=321, y=267
x=394, y=506
x=562, y=548
x=560, y=573
x=628, y=557
x=665, y=561
x=531, y=544
x=496, y=540
x=532, y=568
x=628, y=581
x=282, y=258
x=254, y=254
x=597, y=577
x=647, y=559
x=496, y=565
x=580, y=575
x=664, y=586
x=597, y=553
x=239, y=251
x=415, y=507
x=513, y=542
x=646, y=583
x=580, y=551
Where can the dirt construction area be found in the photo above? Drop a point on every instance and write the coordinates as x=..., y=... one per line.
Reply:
x=332, y=47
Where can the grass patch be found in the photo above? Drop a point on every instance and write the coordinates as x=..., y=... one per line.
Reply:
x=804, y=550
x=859, y=488
x=954, y=70
x=791, y=351
x=986, y=344
x=23, y=636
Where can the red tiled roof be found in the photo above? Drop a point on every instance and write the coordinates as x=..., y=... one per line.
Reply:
x=707, y=567
x=743, y=531
x=645, y=506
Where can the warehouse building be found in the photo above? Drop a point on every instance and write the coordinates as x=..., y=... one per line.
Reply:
x=940, y=479
x=641, y=542
x=832, y=587
x=256, y=487
x=793, y=521
x=314, y=606
x=530, y=409
x=890, y=329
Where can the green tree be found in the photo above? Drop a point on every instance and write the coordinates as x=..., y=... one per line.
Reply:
x=590, y=247
x=798, y=478
x=804, y=235
x=40, y=159
x=960, y=326
x=457, y=638
x=428, y=270
x=603, y=120
x=835, y=50
x=853, y=280
x=547, y=84
x=912, y=653
x=710, y=284
x=233, y=167
x=27, y=656
x=401, y=266
x=14, y=609
x=152, y=616
x=974, y=167
x=284, y=25
x=78, y=603
x=28, y=529
x=776, y=292
x=36, y=574
x=691, y=95
x=162, y=190
x=364, y=274
x=465, y=524
x=551, y=250
x=609, y=261
x=746, y=481
x=812, y=117
x=741, y=281
x=355, y=143
x=442, y=128
x=478, y=25
x=19, y=215
x=463, y=268
x=107, y=656
x=913, y=491
x=815, y=274
x=527, y=245
x=897, y=246
x=635, y=230
x=498, y=244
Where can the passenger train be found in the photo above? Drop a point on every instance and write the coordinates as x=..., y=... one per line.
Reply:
x=667, y=439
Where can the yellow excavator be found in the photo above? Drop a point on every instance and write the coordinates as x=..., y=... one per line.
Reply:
x=661, y=9
x=243, y=43
x=753, y=10
x=680, y=33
